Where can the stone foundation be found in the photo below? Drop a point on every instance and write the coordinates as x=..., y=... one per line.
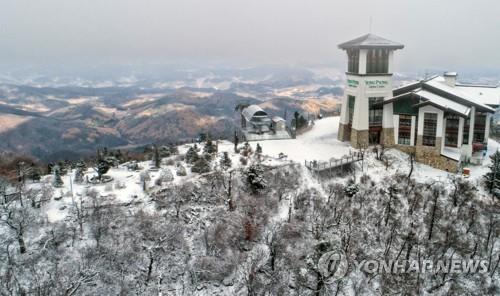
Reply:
x=343, y=134
x=359, y=139
x=405, y=148
x=431, y=155
x=387, y=136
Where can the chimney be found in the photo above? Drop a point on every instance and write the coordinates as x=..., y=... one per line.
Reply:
x=450, y=78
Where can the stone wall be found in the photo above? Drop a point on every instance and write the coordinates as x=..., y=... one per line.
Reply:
x=359, y=139
x=405, y=148
x=431, y=155
x=388, y=137
x=343, y=134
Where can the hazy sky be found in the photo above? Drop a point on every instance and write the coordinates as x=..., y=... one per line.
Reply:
x=444, y=34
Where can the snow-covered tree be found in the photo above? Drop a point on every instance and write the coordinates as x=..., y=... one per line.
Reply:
x=492, y=177
x=201, y=166
x=254, y=177
x=35, y=174
x=225, y=161
x=192, y=154
x=156, y=157
x=258, y=149
x=181, y=170
x=210, y=147
x=166, y=176
x=57, y=180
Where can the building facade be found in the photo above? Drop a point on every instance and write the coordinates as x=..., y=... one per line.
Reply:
x=445, y=123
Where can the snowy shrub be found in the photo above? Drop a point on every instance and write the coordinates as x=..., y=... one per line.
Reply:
x=254, y=177
x=165, y=177
x=144, y=176
x=120, y=185
x=192, y=155
x=365, y=179
x=181, y=171
x=108, y=187
x=246, y=150
x=201, y=166
x=170, y=161
x=351, y=190
x=225, y=161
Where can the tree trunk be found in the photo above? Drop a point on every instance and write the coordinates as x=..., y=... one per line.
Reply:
x=150, y=267
x=20, y=240
x=433, y=217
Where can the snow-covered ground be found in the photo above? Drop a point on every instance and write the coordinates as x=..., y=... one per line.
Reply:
x=320, y=143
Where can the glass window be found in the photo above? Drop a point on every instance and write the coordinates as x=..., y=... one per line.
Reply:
x=430, y=127
x=351, y=101
x=465, y=136
x=377, y=61
x=404, y=131
x=376, y=110
x=353, y=61
x=479, y=127
x=451, y=135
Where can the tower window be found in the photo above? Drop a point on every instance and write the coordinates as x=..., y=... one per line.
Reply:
x=430, y=128
x=377, y=61
x=353, y=61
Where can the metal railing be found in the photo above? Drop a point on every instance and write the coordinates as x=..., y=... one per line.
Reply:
x=333, y=163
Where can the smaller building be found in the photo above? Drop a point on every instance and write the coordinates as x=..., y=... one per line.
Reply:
x=257, y=125
x=278, y=124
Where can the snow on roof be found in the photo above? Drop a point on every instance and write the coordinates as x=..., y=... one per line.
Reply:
x=277, y=119
x=439, y=83
x=443, y=102
x=488, y=95
x=370, y=41
x=252, y=110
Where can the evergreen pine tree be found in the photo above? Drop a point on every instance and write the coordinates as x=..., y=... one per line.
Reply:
x=78, y=175
x=35, y=173
x=210, y=147
x=57, y=182
x=157, y=158
x=201, y=166
x=254, y=177
x=102, y=168
x=192, y=155
x=236, y=142
x=493, y=176
x=225, y=161
x=258, y=149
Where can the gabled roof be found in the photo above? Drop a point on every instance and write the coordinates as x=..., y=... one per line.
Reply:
x=458, y=99
x=370, y=41
x=488, y=95
x=441, y=102
x=438, y=83
x=277, y=119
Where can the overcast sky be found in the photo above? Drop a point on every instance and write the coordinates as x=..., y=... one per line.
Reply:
x=442, y=34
